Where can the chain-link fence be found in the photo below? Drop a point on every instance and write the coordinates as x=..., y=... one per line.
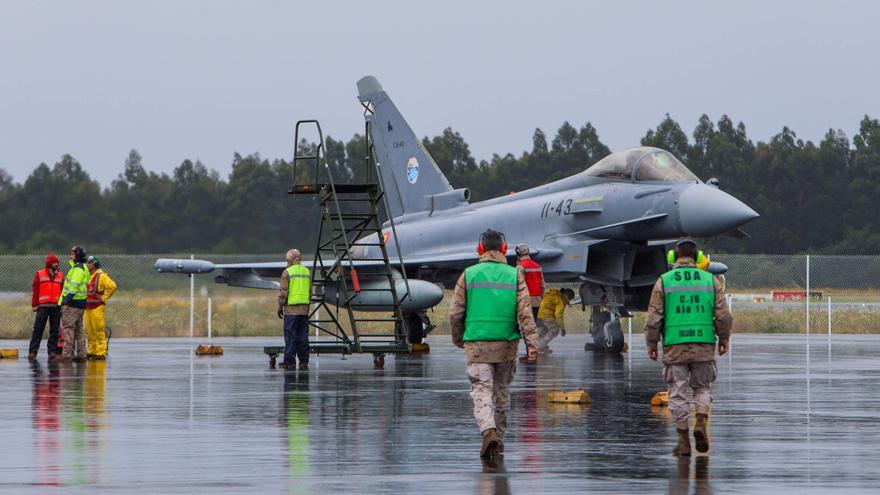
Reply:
x=767, y=294
x=146, y=303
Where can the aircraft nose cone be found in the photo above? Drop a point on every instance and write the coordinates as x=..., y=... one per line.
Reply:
x=706, y=211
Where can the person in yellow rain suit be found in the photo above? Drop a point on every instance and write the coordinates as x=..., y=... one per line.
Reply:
x=550, y=316
x=101, y=287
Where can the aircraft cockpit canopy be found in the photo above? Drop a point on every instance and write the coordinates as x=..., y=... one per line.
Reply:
x=643, y=164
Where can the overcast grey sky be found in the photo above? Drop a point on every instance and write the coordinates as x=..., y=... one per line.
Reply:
x=198, y=79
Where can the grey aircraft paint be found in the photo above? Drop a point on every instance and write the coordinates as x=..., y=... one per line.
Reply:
x=606, y=228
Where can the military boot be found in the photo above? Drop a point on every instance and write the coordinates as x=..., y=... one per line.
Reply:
x=490, y=444
x=701, y=434
x=684, y=443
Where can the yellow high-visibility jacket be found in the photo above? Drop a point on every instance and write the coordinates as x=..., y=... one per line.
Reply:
x=553, y=306
x=106, y=285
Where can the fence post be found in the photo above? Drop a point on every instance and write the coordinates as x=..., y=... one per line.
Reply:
x=630, y=332
x=808, y=314
x=209, y=319
x=829, y=330
x=192, y=301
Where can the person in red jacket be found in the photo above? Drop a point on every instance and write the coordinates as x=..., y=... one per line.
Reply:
x=534, y=276
x=44, y=301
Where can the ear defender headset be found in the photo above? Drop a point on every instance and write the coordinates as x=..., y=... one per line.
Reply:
x=481, y=247
x=702, y=259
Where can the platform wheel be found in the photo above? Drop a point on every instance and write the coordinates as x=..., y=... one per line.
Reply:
x=272, y=362
x=379, y=361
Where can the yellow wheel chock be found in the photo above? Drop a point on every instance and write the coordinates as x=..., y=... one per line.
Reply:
x=9, y=353
x=576, y=396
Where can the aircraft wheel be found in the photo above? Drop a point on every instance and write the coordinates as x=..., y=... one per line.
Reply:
x=415, y=328
x=598, y=320
x=613, y=341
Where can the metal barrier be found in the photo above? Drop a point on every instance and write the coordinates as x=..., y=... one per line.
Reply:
x=767, y=294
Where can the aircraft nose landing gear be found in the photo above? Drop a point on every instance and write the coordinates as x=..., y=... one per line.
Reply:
x=606, y=331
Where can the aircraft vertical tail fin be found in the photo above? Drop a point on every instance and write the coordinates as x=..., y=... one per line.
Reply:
x=409, y=175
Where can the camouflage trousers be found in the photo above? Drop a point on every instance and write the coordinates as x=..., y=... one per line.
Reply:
x=547, y=331
x=490, y=391
x=73, y=331
x=699, y=377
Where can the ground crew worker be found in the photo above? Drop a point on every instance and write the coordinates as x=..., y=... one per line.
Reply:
x=688, y=311
x=551, y=319
x=101, y=287
x=73, y=304
x=491, y=311
x=293, y=307
x=46, y=290
x=534, y=276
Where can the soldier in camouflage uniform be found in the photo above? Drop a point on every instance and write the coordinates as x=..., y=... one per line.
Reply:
x=689, y=313
x=534, y=276
x=490, y=307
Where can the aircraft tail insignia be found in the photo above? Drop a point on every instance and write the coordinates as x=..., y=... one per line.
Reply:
x=409, y=175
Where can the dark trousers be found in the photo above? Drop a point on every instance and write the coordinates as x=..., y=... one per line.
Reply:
x=296, y=338
x=53, y=316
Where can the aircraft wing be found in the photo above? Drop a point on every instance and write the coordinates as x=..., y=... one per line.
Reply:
x=253, y=274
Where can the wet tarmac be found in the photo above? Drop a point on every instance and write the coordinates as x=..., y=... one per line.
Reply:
x=153, y=419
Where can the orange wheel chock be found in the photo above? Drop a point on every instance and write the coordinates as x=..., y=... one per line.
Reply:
x=660, y=399
x=209, y=350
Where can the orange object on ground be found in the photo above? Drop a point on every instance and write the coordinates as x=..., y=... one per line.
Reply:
x=209, y=350
x=660, y=399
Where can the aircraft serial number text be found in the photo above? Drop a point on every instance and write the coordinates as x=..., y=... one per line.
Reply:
x=562, y=208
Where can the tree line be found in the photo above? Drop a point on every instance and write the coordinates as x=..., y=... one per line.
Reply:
x=812, y=197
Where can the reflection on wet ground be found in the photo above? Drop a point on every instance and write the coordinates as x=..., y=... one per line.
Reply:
x=153, y=419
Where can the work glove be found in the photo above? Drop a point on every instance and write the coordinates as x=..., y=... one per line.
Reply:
x=280, y=313
x=67, y=299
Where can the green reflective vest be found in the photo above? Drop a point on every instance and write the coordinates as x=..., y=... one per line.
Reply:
x=299, y=288
x=76, y=282
x=491, y=302
x=689, y=306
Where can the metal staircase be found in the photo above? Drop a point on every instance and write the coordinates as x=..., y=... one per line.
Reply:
x=345, y=268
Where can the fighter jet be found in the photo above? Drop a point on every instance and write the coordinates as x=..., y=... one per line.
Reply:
x=605, y=230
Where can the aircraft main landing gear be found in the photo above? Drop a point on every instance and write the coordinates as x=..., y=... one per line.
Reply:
x=417, y=326
x=606, y=332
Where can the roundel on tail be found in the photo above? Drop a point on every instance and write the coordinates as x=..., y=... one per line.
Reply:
x=412, y=170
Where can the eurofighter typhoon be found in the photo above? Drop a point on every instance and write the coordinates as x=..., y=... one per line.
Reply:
x=606, y=229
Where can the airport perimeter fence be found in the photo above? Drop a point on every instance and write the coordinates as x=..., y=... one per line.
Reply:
x=766, y=293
